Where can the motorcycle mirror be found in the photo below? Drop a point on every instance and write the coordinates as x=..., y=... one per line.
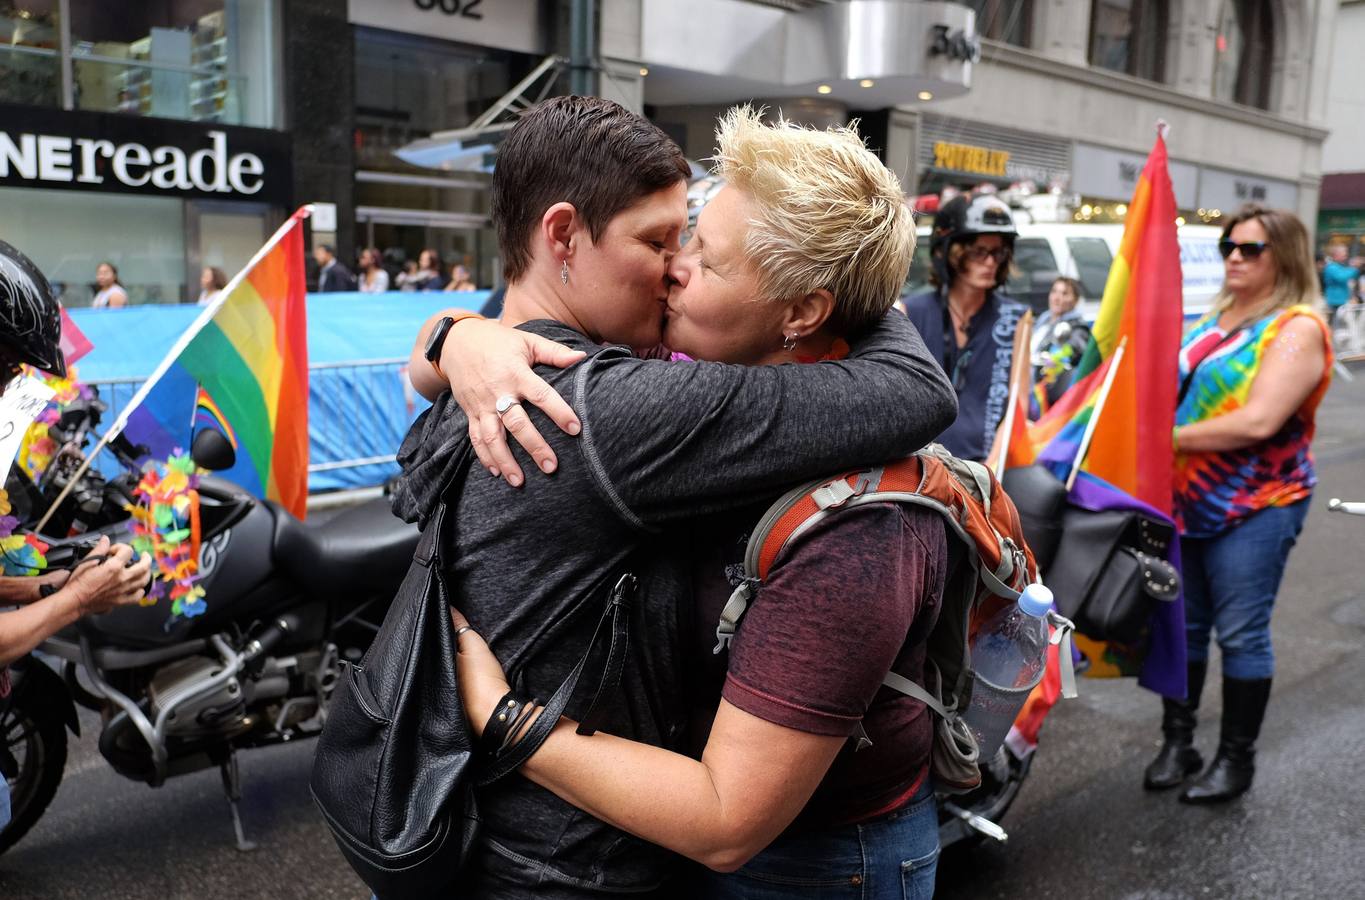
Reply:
x=211, y=450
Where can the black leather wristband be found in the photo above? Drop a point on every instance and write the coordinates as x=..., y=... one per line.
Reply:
x=500, y=723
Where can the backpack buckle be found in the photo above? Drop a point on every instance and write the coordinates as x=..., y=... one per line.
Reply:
x=835, y=494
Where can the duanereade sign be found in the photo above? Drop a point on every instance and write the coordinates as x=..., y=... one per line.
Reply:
x=45, y=148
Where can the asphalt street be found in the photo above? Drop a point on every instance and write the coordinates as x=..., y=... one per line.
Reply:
x=1082, y=828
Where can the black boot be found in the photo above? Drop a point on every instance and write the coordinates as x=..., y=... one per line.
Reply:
x=1232, y=769
x=1177, y=758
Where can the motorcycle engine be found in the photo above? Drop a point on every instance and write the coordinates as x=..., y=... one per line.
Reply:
x=222, y=710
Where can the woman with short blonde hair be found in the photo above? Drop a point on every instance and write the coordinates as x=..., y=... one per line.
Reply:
x=1252, y=374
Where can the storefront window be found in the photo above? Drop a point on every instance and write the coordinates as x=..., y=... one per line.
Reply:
x=69, y=233
x=202, y=60
x=1243, y=51
x=1004, y=20
x=408, y=87
x=187, y=60
x=30, y=55
x=1129, y=36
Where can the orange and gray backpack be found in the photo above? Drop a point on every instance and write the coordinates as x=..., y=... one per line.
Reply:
x=996, y=565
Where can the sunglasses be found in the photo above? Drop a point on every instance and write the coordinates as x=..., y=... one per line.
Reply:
x=1249, y=249
x=981, y=254
x=964, y=359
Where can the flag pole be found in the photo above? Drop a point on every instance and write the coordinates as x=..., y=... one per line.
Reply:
x=1095, y=416
x=1020, y=367
x=177, y=348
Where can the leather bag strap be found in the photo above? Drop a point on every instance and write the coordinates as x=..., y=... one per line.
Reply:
x=615, y=621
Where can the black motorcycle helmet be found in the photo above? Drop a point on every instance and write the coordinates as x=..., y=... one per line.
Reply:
x=30, y=318
x=963, y=218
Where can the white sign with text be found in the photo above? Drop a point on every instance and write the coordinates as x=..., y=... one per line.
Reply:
x=20, y=405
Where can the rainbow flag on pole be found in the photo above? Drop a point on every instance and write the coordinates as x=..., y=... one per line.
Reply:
x=243, y=366
x=1130, y=461
x=1131, y=448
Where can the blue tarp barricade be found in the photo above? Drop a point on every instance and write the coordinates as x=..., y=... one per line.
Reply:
x=356, y=409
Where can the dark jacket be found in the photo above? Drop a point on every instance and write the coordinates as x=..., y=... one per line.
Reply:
x=663, y=445
x=335, y=277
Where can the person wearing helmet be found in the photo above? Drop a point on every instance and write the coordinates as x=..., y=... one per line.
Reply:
x=31, y=332
x=965, y=320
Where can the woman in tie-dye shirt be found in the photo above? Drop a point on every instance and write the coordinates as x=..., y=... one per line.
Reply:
x=1252, y=373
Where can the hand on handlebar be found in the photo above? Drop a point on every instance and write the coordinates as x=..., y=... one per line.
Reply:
x=109, y=578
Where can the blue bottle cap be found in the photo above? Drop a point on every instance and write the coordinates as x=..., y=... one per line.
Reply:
x=1036, y=600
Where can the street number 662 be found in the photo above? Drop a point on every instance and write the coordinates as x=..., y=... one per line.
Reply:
x=465, y=9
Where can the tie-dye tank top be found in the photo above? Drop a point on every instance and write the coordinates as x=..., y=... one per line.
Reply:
x=1215, y=491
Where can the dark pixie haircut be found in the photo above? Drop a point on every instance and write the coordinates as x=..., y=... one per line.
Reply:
x=587, y=151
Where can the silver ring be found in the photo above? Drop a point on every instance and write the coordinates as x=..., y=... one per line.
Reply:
x=462, y=629
x=505, y=402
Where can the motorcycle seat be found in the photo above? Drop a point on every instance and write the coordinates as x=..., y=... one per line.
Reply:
x=366, y=547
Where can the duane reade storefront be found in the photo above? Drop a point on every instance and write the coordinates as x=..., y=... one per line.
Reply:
x=158, y=199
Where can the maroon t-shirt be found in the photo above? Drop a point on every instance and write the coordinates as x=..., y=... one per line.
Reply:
x=849, y=600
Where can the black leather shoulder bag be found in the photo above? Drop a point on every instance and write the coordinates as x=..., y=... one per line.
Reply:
x=397, y=765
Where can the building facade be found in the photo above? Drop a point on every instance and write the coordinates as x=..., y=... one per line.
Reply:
x=121, y=121
x=1064, y=97
x=1342, y=218
x=149, y=136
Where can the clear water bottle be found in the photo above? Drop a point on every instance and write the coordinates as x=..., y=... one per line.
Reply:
x=1009, y=654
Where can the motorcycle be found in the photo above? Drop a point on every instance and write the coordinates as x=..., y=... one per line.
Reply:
x=288, y=605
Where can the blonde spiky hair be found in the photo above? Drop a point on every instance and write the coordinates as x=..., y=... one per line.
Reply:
x=827, y=215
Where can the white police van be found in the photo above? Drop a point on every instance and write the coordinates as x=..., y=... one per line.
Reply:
x=1045, y=250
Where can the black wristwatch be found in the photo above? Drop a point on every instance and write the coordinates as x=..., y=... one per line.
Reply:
x=437, y=340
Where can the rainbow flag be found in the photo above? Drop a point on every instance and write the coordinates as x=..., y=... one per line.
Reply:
x=1131, y=448
x=207, y=412
x=243, y=366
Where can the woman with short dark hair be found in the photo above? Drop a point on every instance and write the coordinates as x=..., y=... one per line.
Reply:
x=1252, y=374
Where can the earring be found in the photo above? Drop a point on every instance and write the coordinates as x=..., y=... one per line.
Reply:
x=789, y=341
x=564, y=273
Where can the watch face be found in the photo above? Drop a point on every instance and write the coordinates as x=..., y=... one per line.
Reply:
x=437, y=337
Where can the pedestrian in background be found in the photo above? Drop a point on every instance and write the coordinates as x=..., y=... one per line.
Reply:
x=428, y=276
x=965, y=319
x=460, y=279
x=406, y=279
x=1338, y=280
x=1060, y=337
x=1252, y=374
x=332, y=275
x=211, y=280
x=111, y=293
x=373, y=277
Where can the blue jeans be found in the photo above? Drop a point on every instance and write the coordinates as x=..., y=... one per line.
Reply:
x=890, y=858
x=1230, y=585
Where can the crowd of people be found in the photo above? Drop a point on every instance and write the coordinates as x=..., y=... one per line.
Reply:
x=377, y=272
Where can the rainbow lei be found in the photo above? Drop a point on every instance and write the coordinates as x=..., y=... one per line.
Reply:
x=38, y=447
x=166, y=525
x=20, y=554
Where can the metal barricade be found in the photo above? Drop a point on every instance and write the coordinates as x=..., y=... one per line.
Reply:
x=338, y=392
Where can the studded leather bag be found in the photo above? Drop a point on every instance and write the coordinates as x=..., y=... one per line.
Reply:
x=1110, y=570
